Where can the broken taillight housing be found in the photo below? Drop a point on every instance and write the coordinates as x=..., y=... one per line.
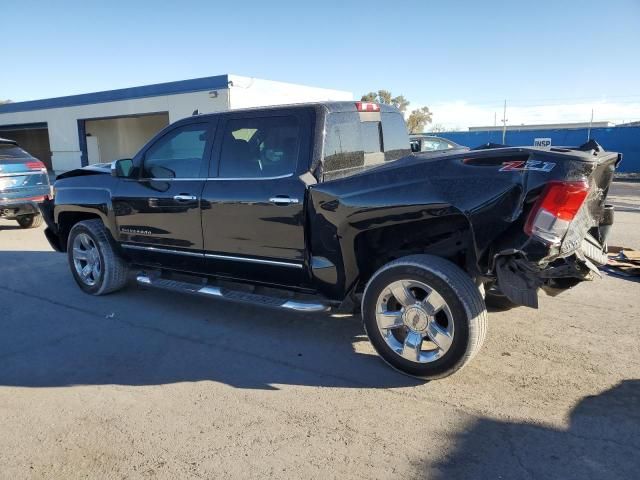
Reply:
x=553, y=212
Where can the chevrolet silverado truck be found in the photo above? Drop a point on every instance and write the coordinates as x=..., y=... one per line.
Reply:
x=317, y=206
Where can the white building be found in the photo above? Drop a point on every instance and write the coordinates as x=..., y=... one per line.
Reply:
x=69, y=132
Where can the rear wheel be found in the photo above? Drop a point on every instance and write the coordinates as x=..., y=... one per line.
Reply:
x=424, y=316
x=30, y=221
x=96, y=266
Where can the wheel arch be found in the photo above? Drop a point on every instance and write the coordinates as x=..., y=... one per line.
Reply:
x=66, y=219
x=449, y=237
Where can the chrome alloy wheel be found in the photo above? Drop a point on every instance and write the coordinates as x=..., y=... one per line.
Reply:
x=415, y=321
x=86, y=259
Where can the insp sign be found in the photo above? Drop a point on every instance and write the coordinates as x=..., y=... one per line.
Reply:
x=541, y=142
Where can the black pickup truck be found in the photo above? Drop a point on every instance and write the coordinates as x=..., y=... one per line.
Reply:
x=318, y=206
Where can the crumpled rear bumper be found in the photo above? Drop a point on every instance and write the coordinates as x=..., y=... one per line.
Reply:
x=521, y=272
x=519, y=278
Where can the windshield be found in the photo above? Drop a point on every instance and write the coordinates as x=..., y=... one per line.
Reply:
x=433, y=144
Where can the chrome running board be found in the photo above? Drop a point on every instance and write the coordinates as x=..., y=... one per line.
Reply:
x=233, y=295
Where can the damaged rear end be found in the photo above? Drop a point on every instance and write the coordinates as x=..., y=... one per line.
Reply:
x=566, y=223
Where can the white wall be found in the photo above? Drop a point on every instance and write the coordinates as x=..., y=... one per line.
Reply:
x=123, y=137
x=245, y=92
x=63, y=122
x=248, y=92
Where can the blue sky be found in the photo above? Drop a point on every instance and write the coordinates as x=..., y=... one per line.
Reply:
x=435, y=53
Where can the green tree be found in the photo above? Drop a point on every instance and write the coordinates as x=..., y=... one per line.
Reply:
x=386, y=97
x=418, y=120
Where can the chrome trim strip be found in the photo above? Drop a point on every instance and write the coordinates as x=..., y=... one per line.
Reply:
x=161, y=250
x=213, y=291
x=283, y=200
x=254, y=260
x=209, y=178
x=305, y=307
x=211, y=255
x=21, y=174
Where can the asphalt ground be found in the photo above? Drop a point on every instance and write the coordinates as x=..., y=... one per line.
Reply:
x=143, y=384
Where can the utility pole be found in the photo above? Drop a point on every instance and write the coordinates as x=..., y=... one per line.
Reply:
x=495, y=119
x=590, y=124
x=504, y=123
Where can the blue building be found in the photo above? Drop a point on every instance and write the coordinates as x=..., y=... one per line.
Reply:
x=623, y=139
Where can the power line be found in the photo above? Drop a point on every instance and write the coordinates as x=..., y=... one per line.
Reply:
x=520, y=104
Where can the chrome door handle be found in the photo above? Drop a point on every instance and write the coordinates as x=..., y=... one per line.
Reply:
x=284, y=200
x=184, y=198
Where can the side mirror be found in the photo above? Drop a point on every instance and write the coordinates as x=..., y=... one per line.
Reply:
x=415, y=146
x=122, y=167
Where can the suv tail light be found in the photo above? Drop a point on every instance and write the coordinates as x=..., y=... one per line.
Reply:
x=36, y=165
x=552, y=214
x=367, y=107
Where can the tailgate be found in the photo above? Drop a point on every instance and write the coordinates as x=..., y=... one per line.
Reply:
x=23, y=185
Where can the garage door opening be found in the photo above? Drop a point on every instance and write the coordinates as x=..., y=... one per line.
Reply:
x=33, y=137
x=109, y=139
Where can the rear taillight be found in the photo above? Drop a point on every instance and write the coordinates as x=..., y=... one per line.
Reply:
x=367, y=107
x=36, y=165
x=552, y=214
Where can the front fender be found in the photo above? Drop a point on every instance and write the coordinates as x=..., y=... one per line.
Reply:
x=83, y=202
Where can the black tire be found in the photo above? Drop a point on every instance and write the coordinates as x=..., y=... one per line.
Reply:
x=114, y=270
x=457, y=289
x=30, y=221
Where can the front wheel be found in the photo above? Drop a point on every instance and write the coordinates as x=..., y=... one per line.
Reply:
x=30, y=221
x=96, y=266
x=424, y=316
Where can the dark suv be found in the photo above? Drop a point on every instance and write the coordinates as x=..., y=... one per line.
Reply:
x=24, y=184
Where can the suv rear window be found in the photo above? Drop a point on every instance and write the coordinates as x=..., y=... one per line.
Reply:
x=352, y=144
x=9, y=152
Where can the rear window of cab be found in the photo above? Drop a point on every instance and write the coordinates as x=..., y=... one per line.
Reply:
x=353, y=143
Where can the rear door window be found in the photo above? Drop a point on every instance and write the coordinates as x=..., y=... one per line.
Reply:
x=260, y=147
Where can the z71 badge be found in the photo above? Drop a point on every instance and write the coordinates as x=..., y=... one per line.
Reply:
x=520, y=165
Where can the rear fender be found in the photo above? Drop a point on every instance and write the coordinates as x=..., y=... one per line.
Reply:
x=352, y=242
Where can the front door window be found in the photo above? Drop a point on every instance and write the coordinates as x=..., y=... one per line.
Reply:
x=178, y=154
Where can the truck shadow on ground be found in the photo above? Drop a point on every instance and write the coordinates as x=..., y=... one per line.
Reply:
x=602, y=441
x=4, y=226
x=54, y=335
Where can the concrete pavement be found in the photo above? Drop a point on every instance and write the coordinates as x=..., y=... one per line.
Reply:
x=146, y=384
